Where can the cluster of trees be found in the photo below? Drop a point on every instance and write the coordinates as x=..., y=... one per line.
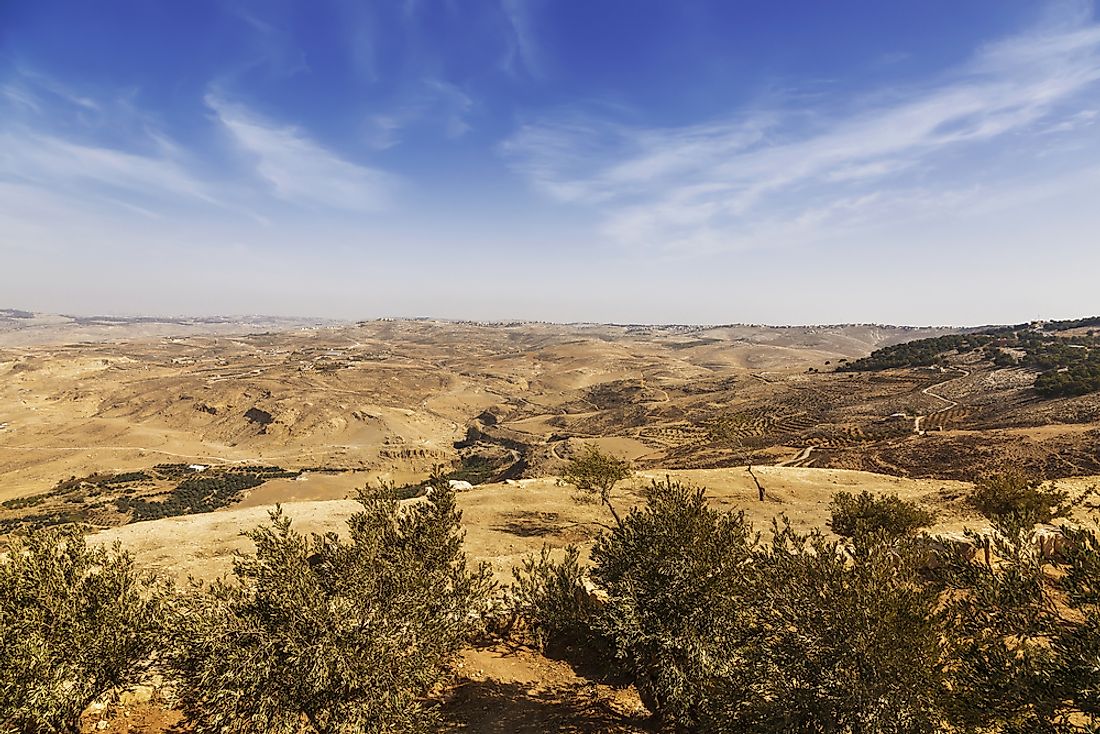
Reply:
x=192, y=495
x=918, y=353
x=884, y=631
x=1080, y=379
x=312, y=633
x=477, y=469
x=1067, y=324
x=1066, y=366
x=204, y=492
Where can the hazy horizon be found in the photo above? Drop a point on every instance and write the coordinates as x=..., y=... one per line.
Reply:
x=906, y=163
x=506, y=320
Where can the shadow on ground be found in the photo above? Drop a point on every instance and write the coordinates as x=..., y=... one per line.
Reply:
x=494, y=707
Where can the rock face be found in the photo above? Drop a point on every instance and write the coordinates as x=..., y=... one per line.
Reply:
x=256, y=415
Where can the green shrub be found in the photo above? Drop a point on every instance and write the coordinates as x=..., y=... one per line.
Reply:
x=675, y=572
x=1015, y=496
x=551, y=599
x=864, y=514
x=833, y=643
x=349, y=635
x=76, y=623
x=1005, y=627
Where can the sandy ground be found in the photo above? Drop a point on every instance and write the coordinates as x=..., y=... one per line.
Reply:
x=505, y=522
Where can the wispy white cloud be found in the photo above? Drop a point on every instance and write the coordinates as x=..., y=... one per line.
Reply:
x=53, y=162
x=788, y=175
x=94, y=156
x=524, y=51
x=298, y=169
x=433, y=102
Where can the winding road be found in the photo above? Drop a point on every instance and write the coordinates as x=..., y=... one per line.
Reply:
x=950, y=403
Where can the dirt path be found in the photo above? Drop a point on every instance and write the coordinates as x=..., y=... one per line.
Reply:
x=801, y=459
x=950, y=403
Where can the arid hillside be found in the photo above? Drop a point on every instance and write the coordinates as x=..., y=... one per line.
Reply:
x=175, y=444
x=116, y=432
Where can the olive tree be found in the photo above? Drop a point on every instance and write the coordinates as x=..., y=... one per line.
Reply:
x=77, y=623
x=857, y=515
x=834, y=641
x=1002, y=496
x=345, y=635
x=595, y=475
x=551, y=599
x=1025, y=625
x=675, y=572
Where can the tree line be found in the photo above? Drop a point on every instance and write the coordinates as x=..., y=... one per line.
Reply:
x=1067, y=366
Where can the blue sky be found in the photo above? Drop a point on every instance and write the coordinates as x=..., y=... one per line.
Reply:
x=917, y=161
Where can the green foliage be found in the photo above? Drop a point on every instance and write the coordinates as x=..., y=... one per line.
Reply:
x=350, y=634
x=1067, y=365
x=804, y=634
x=833, y=643
x=1002, y=618
x=22, y=503
x=1013, y=494
x=1077, y=379
x=865, y=514
x=676, y=575
x=476, y=469
x=595, y=475
x=1067, y=324
x=551, y=598
x=76, y=623
x=201, y=492
x=919, y=353
x=720, y=633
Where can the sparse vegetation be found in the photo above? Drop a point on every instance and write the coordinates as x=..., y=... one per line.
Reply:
x=595, y=474
x=887, y=630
